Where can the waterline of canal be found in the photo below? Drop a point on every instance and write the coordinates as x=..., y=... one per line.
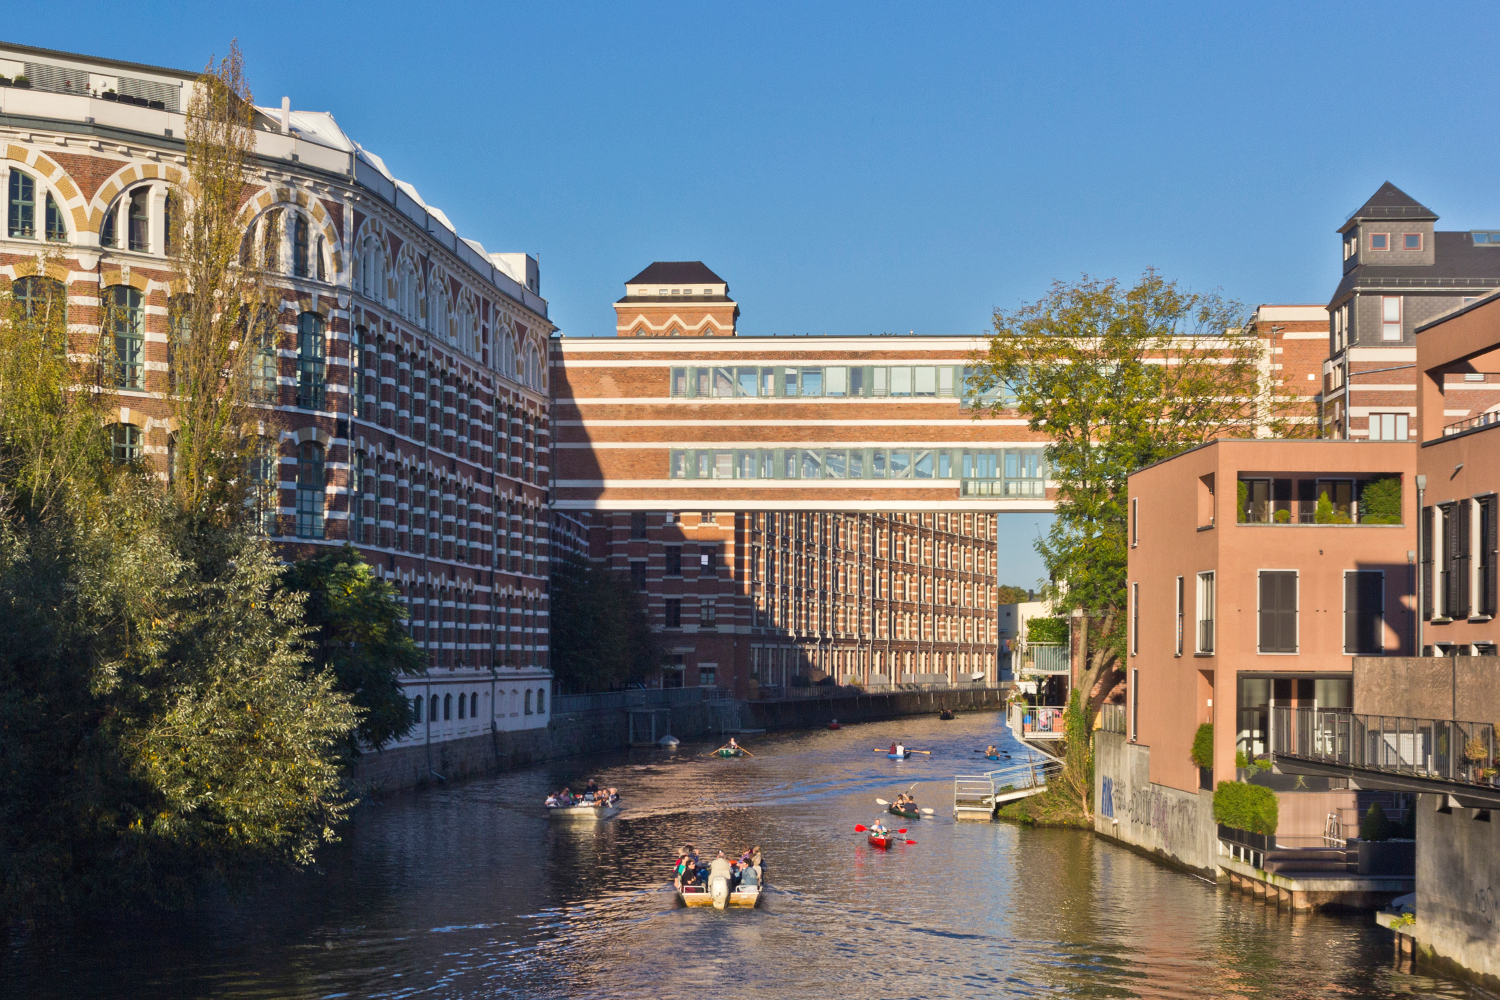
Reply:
x=467, y=891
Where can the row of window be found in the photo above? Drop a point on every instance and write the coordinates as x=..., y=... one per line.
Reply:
x=1276, y=612
x=833, y=381
x=433, y=709
x=1384, y=241
x=855, y=463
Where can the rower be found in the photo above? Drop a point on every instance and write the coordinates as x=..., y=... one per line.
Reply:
x=732, y=744
x=991, y=751
x=877, y=829
x=900, y=750
x=893, y=746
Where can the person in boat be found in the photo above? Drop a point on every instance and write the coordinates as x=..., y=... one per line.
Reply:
x=893, y=746
x=900, y=750
x=720, y=867
x=834, y=722
x=877, y=829
x=552, y=799
x=590, y=789
x=565, y=798
x=614, y=796
x=749, y=876
x=732, y=744
x=990, y=751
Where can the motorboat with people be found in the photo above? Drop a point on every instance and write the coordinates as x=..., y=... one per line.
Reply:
x=720, y=883
x=947, y=715
x=591, y=805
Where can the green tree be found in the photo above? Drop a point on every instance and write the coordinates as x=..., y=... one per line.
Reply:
x=356, y=633
x=1118, y=378
x=1013, y=595
x=601, y=637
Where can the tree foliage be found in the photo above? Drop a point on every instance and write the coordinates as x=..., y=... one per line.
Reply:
x=356, y=633
x=1008, y=594
x=601, y=636
x=1202, y=750
x=1118, y=378
x=159, y=718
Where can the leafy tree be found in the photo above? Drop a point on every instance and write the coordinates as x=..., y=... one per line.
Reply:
x=1013, y=595
x=1203, y=746
x=1117, y=378
x=355, y=624
x=601, y=636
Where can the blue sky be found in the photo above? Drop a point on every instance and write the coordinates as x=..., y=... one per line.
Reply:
x=857, y=169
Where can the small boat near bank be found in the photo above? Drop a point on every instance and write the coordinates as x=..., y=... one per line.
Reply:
x=899, y=756
x=719, y=895
x=729, y=752
x=906, y=811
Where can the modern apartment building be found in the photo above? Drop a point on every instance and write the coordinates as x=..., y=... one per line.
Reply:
x=1399, y=274
x=1257, y=571
x=404, y=373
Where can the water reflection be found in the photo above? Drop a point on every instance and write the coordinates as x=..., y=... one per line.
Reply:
x=467, y=891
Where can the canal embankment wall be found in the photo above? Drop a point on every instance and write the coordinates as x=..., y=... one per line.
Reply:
x=1169, y=823
x=1458, y=889
x=574, y=734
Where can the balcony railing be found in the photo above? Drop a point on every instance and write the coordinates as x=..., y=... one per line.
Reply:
x=1112, y=718
x=1439, y=749
x=1472, y=423
x=1042, y=722
x=1045, y=658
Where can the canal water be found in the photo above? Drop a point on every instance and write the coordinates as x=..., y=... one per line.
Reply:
x=467, y=891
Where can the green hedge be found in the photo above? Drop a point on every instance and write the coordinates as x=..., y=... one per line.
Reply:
x=1246, y=807
x=1376, y=826
x=1380, y=501
x=1047, y=630
x=1203, y=745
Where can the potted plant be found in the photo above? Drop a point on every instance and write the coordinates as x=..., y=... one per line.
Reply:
x=1478, y=755
x=21, y=81
x=1380, y=851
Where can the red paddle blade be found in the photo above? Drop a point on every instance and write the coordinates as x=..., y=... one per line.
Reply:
x=859, y=828
x=900, y=831
x=911, y=841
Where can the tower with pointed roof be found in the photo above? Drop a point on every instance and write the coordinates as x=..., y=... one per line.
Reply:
x=676, y=298
x=1400, y=272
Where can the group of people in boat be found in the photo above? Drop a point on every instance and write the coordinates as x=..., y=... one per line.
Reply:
x=692, y=869
x=592, y=795
x=905, y=801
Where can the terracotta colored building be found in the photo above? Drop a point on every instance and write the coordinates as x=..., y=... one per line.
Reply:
x=1459, y=356
x=1257, y=571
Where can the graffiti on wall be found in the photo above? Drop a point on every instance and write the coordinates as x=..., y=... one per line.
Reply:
x=1172, y=817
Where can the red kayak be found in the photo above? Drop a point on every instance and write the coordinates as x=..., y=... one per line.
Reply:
x=834, y=725
x=883, y=843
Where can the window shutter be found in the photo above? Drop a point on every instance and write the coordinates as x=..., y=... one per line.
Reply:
x=1426, y=568
x=1351, y=612
x=1463, y=537
x=1278, y=612
x=1492, y=553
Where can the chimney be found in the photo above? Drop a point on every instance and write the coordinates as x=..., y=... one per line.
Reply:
x=286, y=116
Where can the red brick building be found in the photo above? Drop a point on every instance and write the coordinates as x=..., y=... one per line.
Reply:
x=403, y=381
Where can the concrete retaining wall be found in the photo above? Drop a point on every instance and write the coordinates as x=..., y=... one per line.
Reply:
x=1170, y=823
x=1428, y=687
x=812, y=712
x=1458, y=890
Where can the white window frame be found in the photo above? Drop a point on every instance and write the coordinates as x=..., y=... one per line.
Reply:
x=1205, y=586
x=1135, y=522
x=1400, y=426
x=1181, y=612
x=1135, y=619
x=1386, y=323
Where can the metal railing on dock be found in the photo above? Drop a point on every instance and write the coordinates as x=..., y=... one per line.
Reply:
x=637, y=698
x=977, y=796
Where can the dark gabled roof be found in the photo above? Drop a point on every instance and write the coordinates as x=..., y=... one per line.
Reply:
x=678, y=272
x=1457, y=263
x=1390, y=202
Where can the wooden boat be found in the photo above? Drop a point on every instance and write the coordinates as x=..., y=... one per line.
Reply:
x=899, y=756
x=702, y=895
x=585, y=813
x=905, y=812
x=729, y=752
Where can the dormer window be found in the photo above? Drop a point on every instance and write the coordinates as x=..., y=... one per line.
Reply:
x=1350, y=244
x=1380, y=241
x=1411, y=241
x=1486, y=239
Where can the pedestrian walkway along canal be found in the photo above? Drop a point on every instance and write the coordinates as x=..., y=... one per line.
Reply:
x=467, y=891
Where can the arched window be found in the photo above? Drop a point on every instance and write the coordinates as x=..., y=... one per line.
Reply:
x=528, y=701
x=357, y=486
x=416, y=709
x=437, y=308
x=432, y=715
x=140, y=220
x=474, y=704
x=541, y=701
x=406, y=291
x=461, y=699
x=310, y=484
x=447, y=707
x=168, y=210
x=507, y=352
x=370, y=270
x=124, y=318
x=264, y=473
x=21, y=216
x=300, y=247
x=310, y=357
x=126, y=439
